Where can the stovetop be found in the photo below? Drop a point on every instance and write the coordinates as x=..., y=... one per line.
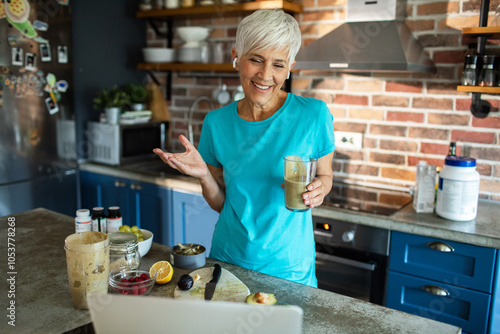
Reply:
x=365, y=198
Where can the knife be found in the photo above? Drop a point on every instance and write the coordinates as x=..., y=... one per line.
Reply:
x=210, y=286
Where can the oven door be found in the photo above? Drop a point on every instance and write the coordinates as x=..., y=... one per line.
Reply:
x=352, y=273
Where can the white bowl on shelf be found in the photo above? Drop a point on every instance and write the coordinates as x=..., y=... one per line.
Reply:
x=193, y=35
x=158, y=55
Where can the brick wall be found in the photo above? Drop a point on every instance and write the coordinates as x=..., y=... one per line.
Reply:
x=404, y=118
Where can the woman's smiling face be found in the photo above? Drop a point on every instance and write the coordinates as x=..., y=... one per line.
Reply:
x=262, y=74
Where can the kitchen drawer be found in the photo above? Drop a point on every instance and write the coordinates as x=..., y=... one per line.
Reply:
x=465, y=308
x=463, y=265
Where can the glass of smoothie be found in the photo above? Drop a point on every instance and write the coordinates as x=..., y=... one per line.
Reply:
x=87, y=259
x=298, y=172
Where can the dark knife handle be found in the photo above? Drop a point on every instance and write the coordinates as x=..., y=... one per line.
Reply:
x=216, y=273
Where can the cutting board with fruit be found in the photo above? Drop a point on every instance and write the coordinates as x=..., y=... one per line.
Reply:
x=229, y=288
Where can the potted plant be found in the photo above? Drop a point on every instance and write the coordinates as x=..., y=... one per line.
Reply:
x=138, y=95
x=112, y=101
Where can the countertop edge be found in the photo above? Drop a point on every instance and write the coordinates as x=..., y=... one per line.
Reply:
x=483, y=231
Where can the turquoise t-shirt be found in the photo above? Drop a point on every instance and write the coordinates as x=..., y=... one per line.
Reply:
x=254, y=229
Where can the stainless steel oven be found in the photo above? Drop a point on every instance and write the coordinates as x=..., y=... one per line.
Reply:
x=351, y=259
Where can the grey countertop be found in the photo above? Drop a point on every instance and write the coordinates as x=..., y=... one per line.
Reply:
x=43, y=303
x=483, y=231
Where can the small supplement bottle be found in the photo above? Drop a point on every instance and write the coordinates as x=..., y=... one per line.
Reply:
x=83, y=221
x=425, y=187
x=114, y=220
x=458, y=189
x=99, y=220
x=123, y=251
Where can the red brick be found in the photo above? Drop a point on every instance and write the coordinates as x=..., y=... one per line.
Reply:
x=488, y=185
x=431, y=148
x=370, y=114
x=395, y=159
x=448, y=57
x=437, y=8
x=390, y=130
x=433, y=40
x=420, y=25
x=496, y=171
x=438, y=134
x=405, y=116
x=369, y=143
x=443, y=88
x=491, y=122
x=484, y=169
x=431, y=103
x=398, y=173
x=473, y=137
x=317, y=16
x=413, y=161
x=448, y=119
x=398, y=145
x=351, y=99
x=363, y=169
x=349, y=155
x=462, y=104
x=328, y=83
x=485, y=153
x=390, y=101
x=350, y=127
x=392, y=86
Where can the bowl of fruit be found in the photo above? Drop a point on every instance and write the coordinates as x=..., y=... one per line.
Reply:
x=144, y=237
x=128, y=281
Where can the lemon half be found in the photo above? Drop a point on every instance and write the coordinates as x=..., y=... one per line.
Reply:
x=164, y=270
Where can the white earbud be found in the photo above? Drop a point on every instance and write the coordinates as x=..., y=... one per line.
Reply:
x=288, y=76
x=234, y=62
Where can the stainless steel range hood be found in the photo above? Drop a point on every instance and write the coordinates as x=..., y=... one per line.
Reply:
x=374, y=39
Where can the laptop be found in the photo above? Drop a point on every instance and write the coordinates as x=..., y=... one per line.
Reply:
x=114, y=313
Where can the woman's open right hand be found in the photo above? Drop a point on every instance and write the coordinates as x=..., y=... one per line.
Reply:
x=189, y=162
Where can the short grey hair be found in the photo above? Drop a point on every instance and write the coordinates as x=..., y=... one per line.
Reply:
x=269, y=29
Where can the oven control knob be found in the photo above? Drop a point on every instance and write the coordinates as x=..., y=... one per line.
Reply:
x=348, y=236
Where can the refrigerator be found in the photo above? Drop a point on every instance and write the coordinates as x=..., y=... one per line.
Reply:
x=37, y=133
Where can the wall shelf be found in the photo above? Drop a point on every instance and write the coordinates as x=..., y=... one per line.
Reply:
x=185, y=67
x=493, y=32
x=479, y=89
x=287, y=6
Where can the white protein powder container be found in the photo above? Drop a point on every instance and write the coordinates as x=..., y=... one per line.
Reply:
x=458, y=189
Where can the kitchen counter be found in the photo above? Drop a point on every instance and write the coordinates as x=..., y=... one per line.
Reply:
x=483, y=231
x=39, y=286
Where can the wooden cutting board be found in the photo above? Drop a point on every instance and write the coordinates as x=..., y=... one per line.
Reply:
x=229, y=288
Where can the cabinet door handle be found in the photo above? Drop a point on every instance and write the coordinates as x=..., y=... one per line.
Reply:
x=440, y=246
x=435, y=290
x=135, y=186
x=119, y=184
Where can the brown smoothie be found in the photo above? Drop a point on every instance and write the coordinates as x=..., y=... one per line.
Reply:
x=295, y=186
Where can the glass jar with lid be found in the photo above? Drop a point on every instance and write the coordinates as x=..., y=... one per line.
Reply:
x=123, y=251
x=488, y=75
x=470, y=72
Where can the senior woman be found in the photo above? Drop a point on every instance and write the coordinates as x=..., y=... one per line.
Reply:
x=239, y=161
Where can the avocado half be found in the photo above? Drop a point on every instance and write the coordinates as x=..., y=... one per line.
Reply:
x=262, y=298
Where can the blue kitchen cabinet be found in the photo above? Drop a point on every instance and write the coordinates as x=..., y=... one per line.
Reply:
x=143, y=204
x=447, y=281
x=193, y=219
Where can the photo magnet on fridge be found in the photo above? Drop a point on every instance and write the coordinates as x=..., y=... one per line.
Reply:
x=45, y=54
x=30, y=61
x=17, y=56
x=62, y=54
x=51, y=106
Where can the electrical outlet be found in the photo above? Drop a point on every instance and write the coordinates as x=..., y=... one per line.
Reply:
x=349, y=140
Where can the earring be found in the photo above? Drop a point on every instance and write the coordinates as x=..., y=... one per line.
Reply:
x=234, y=62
